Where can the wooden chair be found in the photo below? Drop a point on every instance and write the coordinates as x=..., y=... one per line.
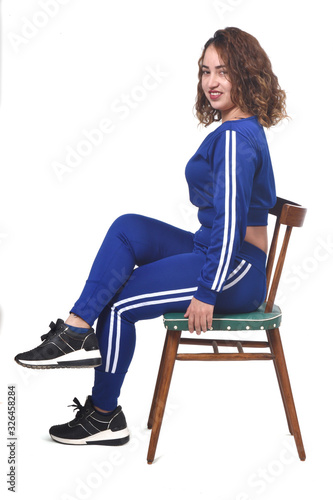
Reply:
x=267, y=317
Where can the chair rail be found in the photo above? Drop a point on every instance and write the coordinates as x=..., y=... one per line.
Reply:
x=291, y=215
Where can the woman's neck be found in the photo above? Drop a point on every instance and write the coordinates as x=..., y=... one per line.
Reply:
x=234, y=114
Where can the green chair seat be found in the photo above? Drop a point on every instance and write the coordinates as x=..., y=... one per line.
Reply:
x=257, y=320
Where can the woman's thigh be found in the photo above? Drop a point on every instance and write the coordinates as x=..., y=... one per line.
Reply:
x=150, y=239
x=159, y=287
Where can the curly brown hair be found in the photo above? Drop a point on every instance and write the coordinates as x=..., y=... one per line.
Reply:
x=255, y=88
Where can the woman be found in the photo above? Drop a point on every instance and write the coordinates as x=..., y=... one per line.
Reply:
x=220, y=268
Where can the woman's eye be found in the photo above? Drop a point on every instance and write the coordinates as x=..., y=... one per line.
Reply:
x=205, y=72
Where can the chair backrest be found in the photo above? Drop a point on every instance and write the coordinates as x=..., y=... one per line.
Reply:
x=291, y=215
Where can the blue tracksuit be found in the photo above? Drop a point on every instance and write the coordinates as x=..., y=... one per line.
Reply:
x=146, y=267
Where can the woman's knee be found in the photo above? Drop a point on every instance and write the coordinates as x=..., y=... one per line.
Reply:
x=126, y=221
x=126, y=227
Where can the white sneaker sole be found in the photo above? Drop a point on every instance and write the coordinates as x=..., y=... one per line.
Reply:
x=109, y=438
x=75, y=359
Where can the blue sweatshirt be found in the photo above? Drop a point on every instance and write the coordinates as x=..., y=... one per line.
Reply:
x=231, y=181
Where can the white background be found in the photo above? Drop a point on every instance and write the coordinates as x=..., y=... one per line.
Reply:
x=66, y=67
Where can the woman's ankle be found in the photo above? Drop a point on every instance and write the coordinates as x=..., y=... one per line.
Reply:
x=99, y=410
x=74, y=320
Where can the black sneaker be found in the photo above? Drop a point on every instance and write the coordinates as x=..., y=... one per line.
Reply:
x=92, y=427
x=63, y=348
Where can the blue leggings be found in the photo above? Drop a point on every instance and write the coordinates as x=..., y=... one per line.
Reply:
x=144, y=269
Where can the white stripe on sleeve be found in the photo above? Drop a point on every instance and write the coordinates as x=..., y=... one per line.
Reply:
x=230, y=214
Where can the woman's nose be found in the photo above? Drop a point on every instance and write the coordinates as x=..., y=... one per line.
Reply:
x=212, y=81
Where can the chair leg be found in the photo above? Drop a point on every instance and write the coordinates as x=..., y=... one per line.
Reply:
x=282, y=395
x=285, y=387
x=157, y=386
x=162, y=389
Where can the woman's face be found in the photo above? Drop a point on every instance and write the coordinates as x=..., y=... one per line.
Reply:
x=215, y=83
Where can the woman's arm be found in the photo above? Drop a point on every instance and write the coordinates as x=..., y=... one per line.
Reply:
x=234, y=164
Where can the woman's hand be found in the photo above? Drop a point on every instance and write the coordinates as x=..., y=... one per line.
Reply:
x=200, y=316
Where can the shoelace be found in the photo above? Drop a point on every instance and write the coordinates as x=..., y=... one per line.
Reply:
x=52, y=332
x=77, y=407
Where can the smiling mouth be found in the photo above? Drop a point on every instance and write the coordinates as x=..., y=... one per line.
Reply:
x=215, y=95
